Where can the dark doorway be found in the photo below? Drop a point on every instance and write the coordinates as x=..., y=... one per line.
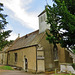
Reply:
x=26, y=64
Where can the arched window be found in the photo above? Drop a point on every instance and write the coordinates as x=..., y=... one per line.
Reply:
x=55, y=53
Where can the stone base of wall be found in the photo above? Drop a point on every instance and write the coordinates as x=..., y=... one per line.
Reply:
x=66, y=67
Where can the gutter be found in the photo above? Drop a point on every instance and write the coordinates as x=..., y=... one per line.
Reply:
x=22, y=47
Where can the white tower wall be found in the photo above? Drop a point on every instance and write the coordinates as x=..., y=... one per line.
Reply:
x=42, y=23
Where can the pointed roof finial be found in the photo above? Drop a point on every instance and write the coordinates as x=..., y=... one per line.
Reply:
x=46, y=2
x=18, y=35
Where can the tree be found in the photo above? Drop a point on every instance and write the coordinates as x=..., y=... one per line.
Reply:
x=3, y=34
x=61, y=18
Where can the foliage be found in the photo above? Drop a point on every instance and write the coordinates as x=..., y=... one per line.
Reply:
x=61, y=18
x=3, y=34
x=6, y=68
x=10, y=42
x=73, y=65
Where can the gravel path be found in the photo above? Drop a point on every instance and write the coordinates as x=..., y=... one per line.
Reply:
x=16, y=72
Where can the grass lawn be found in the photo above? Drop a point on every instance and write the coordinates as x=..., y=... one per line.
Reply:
x=64, y=74
x=6, y=68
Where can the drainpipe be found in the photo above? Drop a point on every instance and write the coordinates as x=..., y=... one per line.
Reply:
x=36, y=59
x=7, y=58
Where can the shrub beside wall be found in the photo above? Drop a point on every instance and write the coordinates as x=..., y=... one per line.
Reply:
x=73, y=65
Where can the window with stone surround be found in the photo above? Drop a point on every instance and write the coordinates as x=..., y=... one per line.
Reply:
x=15, y=57
x=55, y=53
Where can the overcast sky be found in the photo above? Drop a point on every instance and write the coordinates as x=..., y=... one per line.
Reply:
x=23, y=15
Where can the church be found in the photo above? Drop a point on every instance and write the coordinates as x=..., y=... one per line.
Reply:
x=33, y=53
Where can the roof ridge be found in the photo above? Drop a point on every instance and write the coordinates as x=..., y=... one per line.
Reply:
x=42, y=13
x=29, y=33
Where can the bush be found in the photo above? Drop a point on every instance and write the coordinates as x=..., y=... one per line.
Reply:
x=73, y=65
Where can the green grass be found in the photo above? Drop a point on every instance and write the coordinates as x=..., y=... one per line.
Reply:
x=65, y=74
x=6, y=68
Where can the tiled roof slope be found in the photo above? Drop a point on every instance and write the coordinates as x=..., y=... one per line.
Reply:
x=27, y=40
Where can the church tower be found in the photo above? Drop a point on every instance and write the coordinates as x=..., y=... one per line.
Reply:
x=42, y=22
